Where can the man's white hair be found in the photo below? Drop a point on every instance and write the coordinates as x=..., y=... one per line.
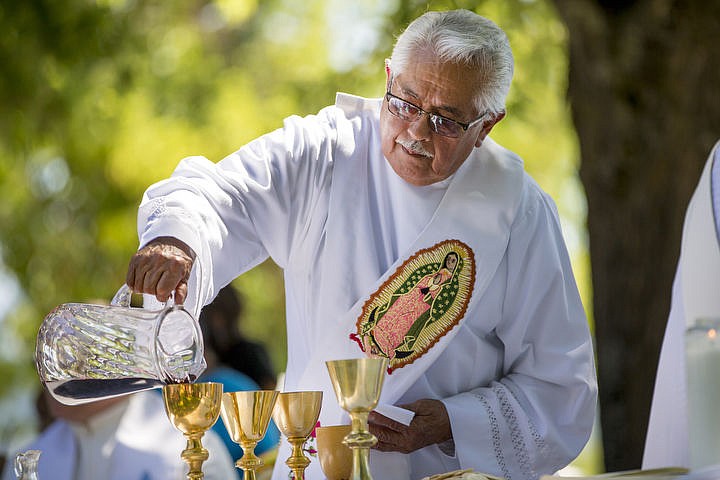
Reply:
x=466, y=38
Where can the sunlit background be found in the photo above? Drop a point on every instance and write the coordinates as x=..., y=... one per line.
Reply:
x=100, y=99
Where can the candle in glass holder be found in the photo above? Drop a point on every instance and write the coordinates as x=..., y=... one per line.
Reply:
x=702, y=355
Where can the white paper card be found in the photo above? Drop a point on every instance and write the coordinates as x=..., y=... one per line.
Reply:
x=398, y=414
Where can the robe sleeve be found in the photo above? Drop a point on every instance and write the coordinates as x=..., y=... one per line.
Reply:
x=251, y=205
x=538, y=414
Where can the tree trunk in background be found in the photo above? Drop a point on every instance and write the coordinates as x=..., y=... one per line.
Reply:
x=644, y=88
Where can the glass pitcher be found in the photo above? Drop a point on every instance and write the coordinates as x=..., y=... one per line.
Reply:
x=87, y=352
x=26, y=464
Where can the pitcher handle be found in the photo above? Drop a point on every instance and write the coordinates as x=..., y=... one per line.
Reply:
x=124, y=295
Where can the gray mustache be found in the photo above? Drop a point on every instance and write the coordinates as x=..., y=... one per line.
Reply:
x=416, y=147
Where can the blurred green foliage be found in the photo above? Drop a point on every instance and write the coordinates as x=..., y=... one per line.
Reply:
x=102, y=98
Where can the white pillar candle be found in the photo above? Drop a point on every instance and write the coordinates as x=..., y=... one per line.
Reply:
x=702, y=350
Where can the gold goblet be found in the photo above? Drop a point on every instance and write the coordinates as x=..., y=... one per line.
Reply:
x=335, y=457
x=296, y=414
x=193, y=408
x=357, y=384
x=246, y=416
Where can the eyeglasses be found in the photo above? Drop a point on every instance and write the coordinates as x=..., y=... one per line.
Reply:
x=444, y=126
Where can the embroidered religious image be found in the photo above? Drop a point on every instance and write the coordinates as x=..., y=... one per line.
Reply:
x=422, y=301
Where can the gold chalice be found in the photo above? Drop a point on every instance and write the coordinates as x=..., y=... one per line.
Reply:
x=357, y=384
x=193, y=408
x=296, y=414
x=246, y=416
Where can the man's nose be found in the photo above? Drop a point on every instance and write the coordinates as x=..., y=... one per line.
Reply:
x=420, y=129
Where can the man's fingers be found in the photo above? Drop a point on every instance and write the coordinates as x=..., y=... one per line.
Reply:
x=151, y=281
x=392, y=435
x=430, y=425
x=137, y=283
x=160, y=268
x=385, y=447
x=181, y=293
x=391, y=441
x=130, y=276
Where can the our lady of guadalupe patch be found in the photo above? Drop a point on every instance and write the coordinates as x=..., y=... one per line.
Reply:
x=418, y=304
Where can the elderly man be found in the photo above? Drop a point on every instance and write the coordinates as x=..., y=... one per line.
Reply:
x=404, y=232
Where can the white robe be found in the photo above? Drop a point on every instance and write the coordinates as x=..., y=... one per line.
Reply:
x=134, y=441
x=516, y=374
x=695, y=294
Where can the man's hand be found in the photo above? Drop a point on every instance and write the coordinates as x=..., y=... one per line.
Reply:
x=161, y=267
x=430, y=425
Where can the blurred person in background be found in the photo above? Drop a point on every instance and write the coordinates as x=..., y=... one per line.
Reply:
x=122, y=438
x=231, y=379
x=221, y=321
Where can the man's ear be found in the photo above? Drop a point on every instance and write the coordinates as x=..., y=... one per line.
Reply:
x=488, y=125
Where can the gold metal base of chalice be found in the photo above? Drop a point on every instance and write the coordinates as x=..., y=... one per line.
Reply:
x=193, y=408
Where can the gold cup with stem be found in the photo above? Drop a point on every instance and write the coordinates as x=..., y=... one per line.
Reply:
x=193, y=408
x=246, y=416
x=296, y=414
x=357, y=383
